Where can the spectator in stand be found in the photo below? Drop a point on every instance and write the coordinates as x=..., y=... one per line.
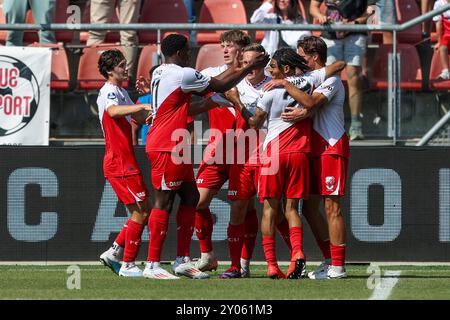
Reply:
x=280, y=12
x=347, y=46
x=102, y=11
x=383, y=12
x=443, y=34
x=16, y=11
x=425, y=6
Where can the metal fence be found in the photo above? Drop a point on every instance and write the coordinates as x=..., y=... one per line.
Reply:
x=393, y=76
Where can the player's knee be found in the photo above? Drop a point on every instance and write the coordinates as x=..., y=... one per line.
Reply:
x=163, y=205
x=332, y=210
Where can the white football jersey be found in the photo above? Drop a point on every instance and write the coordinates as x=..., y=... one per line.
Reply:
x=328, y=120
x=275, y=101
x=249, y=94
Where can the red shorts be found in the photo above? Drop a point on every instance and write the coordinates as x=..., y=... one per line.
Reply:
x=328, y=175
x=445, y=39
x=167, y=175
x=291, y=179
x=243, y=182
x=212, y=176
x=129, y=189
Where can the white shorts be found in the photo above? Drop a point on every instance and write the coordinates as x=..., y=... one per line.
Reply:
x=351, y=49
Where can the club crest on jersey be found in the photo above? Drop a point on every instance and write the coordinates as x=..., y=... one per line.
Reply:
x=112, y=96
x=329, y=183
x=198, y=75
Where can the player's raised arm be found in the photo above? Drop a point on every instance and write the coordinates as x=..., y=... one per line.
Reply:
x=116, y=111
x=233, y=75
x=334, y=69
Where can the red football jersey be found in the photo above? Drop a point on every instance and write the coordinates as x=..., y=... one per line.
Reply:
x=119, y=159
x=172, y=87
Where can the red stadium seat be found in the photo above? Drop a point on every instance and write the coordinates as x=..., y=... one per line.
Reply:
x=301, y=10
x=411, y=72
x=111, y=37
x=61, y=16
x=156, y=11
x=146, y=60
x=60, y=79
x=435, y=71
x=89, y=77
x=220, y=11
x=3, y=33
x=408, y=10
x=209, y=55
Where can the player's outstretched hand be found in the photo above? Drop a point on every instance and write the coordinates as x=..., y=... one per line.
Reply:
x=149, y=118
x=232, y=95
x=142, y=85
x=146, y=107
x=294, y=114
x=274, y=83
x=260, y=61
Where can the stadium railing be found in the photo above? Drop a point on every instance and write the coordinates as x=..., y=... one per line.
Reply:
x=394, y=62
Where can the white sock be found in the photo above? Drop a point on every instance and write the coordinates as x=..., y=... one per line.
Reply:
x=115, y=250
x=207, y=255
x=245, y=263
x=338, y=269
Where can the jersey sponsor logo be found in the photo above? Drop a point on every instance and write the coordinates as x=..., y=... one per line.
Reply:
x=141, y=194
x=329, y=182
x=199, y=180
x=175, y=183
x=232, y=192
x=112, y=96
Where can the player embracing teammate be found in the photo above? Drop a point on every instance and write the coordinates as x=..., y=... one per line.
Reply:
x=328, y=161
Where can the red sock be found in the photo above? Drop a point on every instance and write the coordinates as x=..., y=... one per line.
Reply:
x=296, y=234
x=133, y=241
x=324, y=246
x=337, y=255
x=157, y=226
x=283, y=229
x=269, y=249
x=204, y=228
x=120, y=239
x=251, y=230
x=235, y=239
x=185, y=228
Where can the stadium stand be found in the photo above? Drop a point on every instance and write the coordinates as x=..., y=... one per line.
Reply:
x=301, y=9
x=60, y=78
x=220, y=11
x=60, y=17
x=411, y=72
x=435, y=70
x=147, y=60
x=155, y=11
x=111, y=37
x=407, y=10
x=3, y=33
x=89, y=78
x=209, y=55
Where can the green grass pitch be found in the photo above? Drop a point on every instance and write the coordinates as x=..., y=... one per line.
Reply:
x=98, y=282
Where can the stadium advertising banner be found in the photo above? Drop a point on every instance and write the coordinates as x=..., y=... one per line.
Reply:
x=55, y=205
x=24, y=95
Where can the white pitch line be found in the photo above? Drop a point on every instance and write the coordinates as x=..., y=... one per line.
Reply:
x=384, y=289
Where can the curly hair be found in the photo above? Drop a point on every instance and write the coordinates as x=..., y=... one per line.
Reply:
x=173, y=43
x=108, y=60
x=288, y=57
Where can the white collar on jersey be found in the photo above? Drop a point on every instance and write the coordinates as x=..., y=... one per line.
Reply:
x=258, y=84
